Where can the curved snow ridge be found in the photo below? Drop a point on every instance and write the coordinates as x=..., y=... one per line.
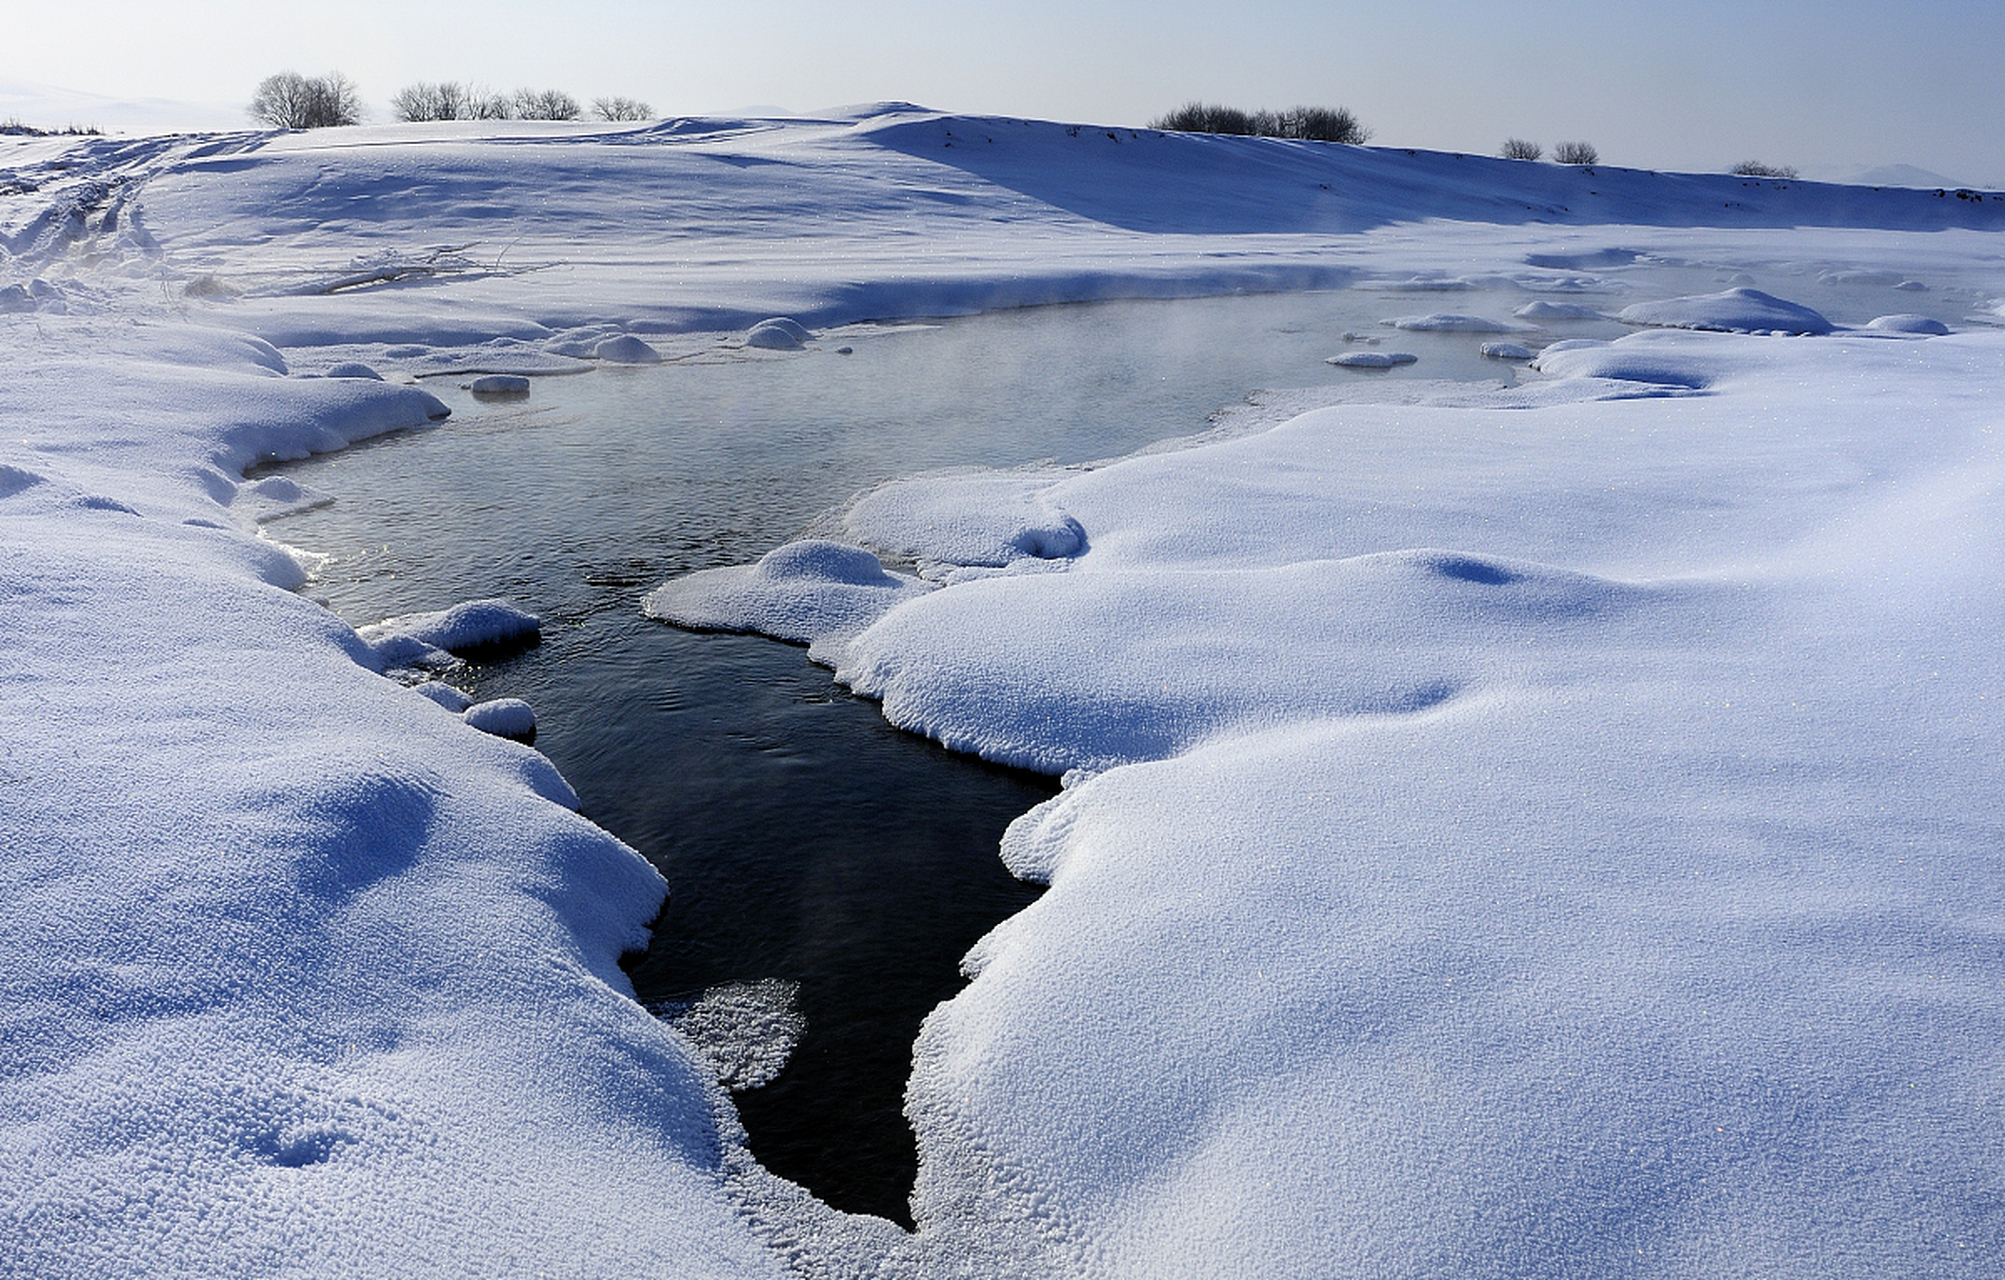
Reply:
x=815, y=592
x=1739, y=310
x=1090, y=671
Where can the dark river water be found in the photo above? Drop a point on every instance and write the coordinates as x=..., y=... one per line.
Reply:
x=803, y=839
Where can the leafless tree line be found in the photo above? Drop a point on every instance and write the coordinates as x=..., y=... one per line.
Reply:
x=289, y=100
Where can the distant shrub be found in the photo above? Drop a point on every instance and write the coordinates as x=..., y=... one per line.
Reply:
x=545, y=104
x=1314, y=124
x=12, y=127
x=289, y=100
x=1323, y=124
x=621, y=109
x=1202, y=117
x=1756, y=169
x=1519, y=149
x=1576, y=153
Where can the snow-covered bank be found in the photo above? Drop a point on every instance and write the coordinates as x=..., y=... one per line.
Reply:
x=1615, y=891
x=303, y=975
x=1523, y=832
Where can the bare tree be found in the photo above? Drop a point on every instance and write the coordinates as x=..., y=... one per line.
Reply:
x=426, y=101
x=289, y=100
x=545, y=104
x=453, y=100
x=482, y=105
x=1576, y=153
x=621, y=109
x=1519, y=149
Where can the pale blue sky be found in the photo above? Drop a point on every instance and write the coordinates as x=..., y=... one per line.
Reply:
x=1696, y=84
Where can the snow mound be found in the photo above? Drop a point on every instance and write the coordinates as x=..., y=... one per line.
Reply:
x=429, y=640
x=625, y=349
x=452, y=699
x=745, y=1031
x=1372, y=359
x=980, y=520
x=1447, y=322
x=778, y=334
x=1908, y=323
x=500, y=385
x=354, y=369
x=1731, y=311
x=1506, y=351
x=1543, y=310
x=502, y=717
x=1628, y=360
x=814, y=591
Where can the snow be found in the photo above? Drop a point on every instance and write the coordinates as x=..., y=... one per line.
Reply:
x=626, y=349
x=503, y=717
x=419, y=640
x=745, y=1031
x=1739, y=310
x=1539, y=830
x=1473, y=814
x=1907, y=322
x=778, y=334
x=1543, y=310
x=812, y=590
x=1506, y=351
x=499, y=384
x=1447, y=322
x=1372, y=359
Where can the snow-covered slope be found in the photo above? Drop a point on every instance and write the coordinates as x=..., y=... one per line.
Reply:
x=1538, y=832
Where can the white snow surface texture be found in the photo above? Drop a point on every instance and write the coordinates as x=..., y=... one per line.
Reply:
x=1537, y=833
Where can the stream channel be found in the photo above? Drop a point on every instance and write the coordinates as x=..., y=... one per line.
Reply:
x=802, y=837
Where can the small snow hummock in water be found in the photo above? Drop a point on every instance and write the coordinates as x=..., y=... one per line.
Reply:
x=1926, y=326
x=1731, y=311
x=625, y=349
x=1543, y=310
x=500, y=385
x=429, y=640
x=778, y=334
x=354, y=369
x=1447, y=322
x=810, y=590
x=1373, y=359
x=502, y=717
x=1506, y=351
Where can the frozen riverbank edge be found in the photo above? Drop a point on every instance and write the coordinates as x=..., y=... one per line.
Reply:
x=1546, y=840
